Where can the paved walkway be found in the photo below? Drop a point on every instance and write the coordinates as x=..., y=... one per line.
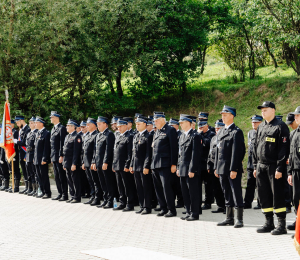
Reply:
x=34, y=228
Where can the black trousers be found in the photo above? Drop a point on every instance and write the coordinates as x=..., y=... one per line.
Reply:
x=97, y=185
x=42, y=172
x=85, y=186
x=163, y=187
x=24, y=169
x=17, y=172
x=111, y=185
x=250, y=190
x=270, y=190
x=218, y=192
x=88, y=172
x=177, y=190
x=144, y=189
x=207, y=179
x=5, y=171
x=287, y=194
x=103, y=184
x=296, y=189
x=121, y=189
x=30, y=172
x=127, y=187
x=60, y=179
x=74, y=183
x=232, y=189
x=189, y=187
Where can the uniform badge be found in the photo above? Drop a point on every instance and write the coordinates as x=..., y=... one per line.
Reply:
x=78, y=140
x=284, y=140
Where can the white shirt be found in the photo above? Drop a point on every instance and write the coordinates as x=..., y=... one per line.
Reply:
x=41, y=129
x=56, y=125
x=187, y=132
x=124, y=133
x=226, y=127
x=142, y=132
x=104, y=130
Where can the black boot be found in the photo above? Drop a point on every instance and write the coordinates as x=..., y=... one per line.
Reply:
x=268, y=226
x=30, y=188
x=17, y=185
x=281, y=227
x=239, y=223
x=292, y=226
x=5, y=185
x=26, y=188
x=34, y=186
x=229, y=218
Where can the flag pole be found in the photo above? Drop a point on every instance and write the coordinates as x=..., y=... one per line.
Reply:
x=12, y=161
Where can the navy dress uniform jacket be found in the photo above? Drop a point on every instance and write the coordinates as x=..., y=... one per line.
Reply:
x=230, y=150
x=30, y=140
x=88, y=148
x=23, y=135
x=42, y=147
x=72, y=150
x=165, y=148
x=122, y=152
x=58, y=135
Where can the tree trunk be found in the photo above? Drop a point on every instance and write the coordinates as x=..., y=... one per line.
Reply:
x=118, y=82
x=203, y=60
x=270, y=53
x=111, y=86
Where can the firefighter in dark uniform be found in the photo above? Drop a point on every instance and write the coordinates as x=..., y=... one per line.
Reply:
x=269, y=160
x=4, y=168
x=30, y=140
x=113, y=124
x=129, y=125
x=15, y=161
x=57, y=139
x=228, y=165
x=140, y=165
x=177, y=187
x=72, y=160
x=292, y=123
x=88, y=153
x=294, y=163
x=102, y=162
x=41, y=157
x=85, y=186
x=251, y=180
x=121, y=165
x=21, y=144
x=203, y=116
x=206, y=135
x=164, y=164
x=217, y=189
x=190, y=148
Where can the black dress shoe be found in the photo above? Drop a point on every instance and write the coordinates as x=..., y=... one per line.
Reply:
x=95, y=202
x=63, y=199
x=206, y=206
x=247, y=206
x=46, y=196
x=170, y=214
x=185, y=217
x=139, y=211
x=179, y=206
x=128, y=209
x=146, y=211
x=85, y=196
x=157, y=209
x=161, y=213
x=102, y=204
x=190, y=218
x=292, y=226
x=108, y=206
x=257, y=207
x=219, y=210
x=89, y=201
x=120, y=207
x=75, y=201
x=69, y=201
x=57, y=198
x=40, y=196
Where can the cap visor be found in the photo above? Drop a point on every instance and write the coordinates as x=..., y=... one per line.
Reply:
x=260, y=107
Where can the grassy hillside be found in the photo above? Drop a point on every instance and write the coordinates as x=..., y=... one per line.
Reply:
x=215, y=89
